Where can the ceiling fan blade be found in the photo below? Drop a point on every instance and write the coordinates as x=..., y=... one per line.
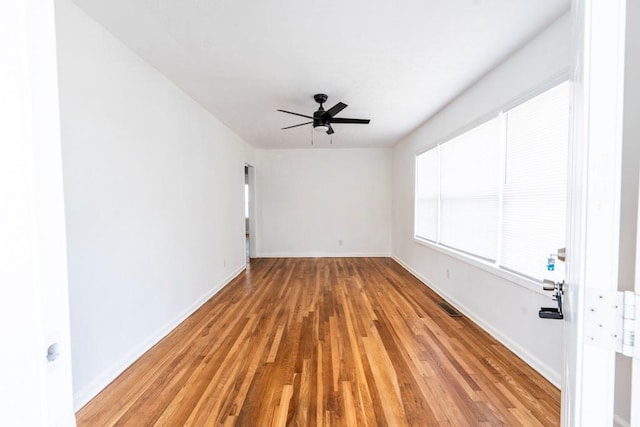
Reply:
x=355, y=121
x=295, y=126
x=295, y=114
x=330, y=131
x=334, y=110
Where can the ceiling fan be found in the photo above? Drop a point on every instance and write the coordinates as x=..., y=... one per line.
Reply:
x=322, y=119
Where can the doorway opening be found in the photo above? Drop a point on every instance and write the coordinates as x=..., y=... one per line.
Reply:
x=249, y=213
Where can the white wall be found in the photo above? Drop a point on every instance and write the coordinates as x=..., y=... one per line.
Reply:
x=310, y=199
x=154, y=198
x=505, y=309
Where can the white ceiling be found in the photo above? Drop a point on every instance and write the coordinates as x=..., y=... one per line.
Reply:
x=396, y=63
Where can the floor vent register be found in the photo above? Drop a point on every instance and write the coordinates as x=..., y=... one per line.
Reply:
x=452, y=312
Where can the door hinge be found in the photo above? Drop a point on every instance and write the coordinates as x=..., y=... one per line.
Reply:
x=611, y=320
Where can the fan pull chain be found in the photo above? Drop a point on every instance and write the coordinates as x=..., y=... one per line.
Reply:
x=311, y=135
x=331, y=139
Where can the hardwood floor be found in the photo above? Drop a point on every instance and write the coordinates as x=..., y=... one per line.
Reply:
x=326, y=342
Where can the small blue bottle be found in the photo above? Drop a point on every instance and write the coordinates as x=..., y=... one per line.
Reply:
x=551, y=263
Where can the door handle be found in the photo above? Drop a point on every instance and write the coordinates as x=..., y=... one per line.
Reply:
x=548, y=285
x=558, y=291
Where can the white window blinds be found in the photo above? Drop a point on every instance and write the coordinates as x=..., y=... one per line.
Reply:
x=535, y=187
x=427, y=194
x=469, y=191
x=498, y=191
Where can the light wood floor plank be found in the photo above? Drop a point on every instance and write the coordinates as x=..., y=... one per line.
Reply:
x=321, y=342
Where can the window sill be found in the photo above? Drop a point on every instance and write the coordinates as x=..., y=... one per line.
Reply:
x=525, y=282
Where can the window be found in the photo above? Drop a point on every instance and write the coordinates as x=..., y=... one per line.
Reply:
x=535, y=183
x=469, y=191
x=427, y=194
x=498, y=191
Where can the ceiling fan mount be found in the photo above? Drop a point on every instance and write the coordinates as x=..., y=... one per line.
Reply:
x=321, y=119
x=320, y=98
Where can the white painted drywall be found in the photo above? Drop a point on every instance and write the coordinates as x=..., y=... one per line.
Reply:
x=309, y=200
x=508, y=311
x=154, y=198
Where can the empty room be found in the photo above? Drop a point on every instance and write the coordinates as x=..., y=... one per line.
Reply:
x=319, y=214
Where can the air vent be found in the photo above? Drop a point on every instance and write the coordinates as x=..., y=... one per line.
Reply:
x=452, y=312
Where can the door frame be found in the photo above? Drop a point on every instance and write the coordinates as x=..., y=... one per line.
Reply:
x=34, y=308
x=594, y=204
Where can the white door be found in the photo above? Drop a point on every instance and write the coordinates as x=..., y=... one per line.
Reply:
x=594, y=209
x=35, y=387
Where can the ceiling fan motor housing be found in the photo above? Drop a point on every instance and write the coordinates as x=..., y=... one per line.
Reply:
x=318, y=120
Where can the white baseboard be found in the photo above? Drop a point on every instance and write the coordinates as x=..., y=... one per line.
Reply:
x=88, y=392
x=323, y=255
x=545, y=370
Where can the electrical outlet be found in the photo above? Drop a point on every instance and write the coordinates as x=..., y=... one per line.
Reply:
x=339, y=242
x=448, y=274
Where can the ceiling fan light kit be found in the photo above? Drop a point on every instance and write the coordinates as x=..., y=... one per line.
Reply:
x=321, y=119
